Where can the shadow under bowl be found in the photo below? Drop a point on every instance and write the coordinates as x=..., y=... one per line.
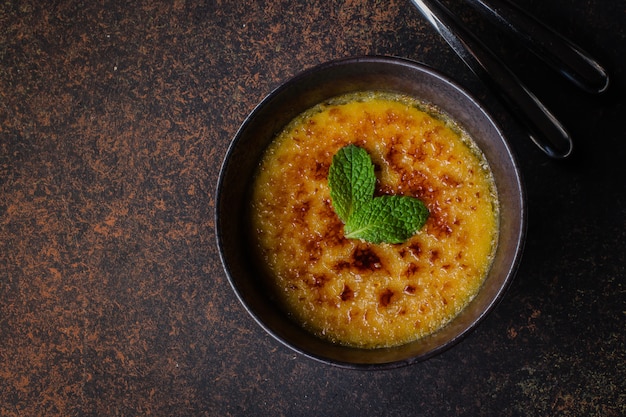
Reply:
x=303, y=92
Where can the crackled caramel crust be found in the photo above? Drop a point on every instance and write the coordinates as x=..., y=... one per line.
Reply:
x=357, y=293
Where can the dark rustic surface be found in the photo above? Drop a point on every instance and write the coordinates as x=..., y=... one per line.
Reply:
x=114, y=119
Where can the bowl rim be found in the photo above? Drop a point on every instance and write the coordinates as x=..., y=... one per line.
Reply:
x=518, y=246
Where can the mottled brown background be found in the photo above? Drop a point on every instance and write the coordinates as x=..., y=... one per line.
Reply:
x=114, y=119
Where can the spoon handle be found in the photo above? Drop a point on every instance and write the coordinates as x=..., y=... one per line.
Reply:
x=544, y=129
x=553, y=48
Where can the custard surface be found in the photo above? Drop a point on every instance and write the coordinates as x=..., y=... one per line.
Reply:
x=356, y=293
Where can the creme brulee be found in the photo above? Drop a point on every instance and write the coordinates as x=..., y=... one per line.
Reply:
x=373, y=295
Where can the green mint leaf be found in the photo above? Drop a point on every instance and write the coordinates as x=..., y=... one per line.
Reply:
x=351, y=180
x=390, y=219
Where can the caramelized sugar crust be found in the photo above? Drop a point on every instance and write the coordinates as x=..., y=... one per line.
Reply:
x=353, y=292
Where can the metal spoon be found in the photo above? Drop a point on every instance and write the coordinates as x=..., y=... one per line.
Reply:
x=544, y=129
x=554, y=49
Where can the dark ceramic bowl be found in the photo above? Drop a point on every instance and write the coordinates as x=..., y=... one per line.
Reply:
x=306, y=90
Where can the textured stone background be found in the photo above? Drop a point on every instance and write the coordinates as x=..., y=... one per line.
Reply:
x=114, y=119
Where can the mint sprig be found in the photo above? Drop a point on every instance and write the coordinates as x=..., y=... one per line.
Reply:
x=351, y=180
x=389, y=218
